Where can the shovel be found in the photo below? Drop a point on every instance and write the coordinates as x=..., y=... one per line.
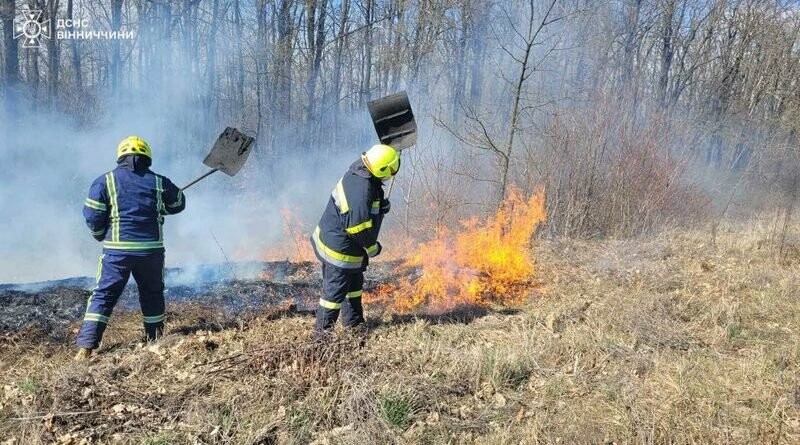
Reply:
x=229, y=153
x=394, y=121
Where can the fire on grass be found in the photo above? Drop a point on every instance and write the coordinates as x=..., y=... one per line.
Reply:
x=296, y=246
x=485, y=262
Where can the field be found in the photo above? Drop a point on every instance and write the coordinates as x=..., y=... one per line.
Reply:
x=666, y=340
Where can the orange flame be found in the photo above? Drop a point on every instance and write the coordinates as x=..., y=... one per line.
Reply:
x=487, y=262
x=296, y=246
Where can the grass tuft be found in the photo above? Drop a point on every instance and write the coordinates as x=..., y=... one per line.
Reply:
x=396, y=409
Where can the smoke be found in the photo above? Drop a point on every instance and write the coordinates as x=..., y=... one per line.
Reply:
x=50, y=162
x=170, y=95
x=195, y=69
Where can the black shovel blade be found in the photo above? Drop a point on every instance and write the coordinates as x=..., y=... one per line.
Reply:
x=394, y=121
x=230, y=151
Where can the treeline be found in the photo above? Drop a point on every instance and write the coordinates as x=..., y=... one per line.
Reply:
x=623, y=110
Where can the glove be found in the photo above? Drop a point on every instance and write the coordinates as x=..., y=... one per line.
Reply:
x=377, y=251
x=100, y=235
x=385, y=206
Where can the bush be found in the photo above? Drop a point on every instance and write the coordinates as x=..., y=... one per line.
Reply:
x=611, y=175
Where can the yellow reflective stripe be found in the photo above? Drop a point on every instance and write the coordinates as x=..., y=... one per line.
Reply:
x=97, y=205
x=376, y=207
x=133, y=245
x=360, y=227
x=97, y=275
x=334, y=257
x=100, y=318
x=97, y=232
x=99, y=270
x=159, y=199
x=111, y=187
x=154, y=318
x=340, y=198
x=160, y=207
x=354, y=294
x=329, y=304
x=372, y=250
x=178, y=201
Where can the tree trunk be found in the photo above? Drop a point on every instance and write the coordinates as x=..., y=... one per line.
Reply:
x=667, y=52
x=460, y=63
x=341, y=41
x=282, y=64
x=315, y=38
x=116, y=59
x=630, y=47
x=52, y=58
x=338, y=67
x=366, y=62
x=11, y=58
x=237, y=11
x=476, y=72
x=76, y=58
x=32, y=77
x=211, y=68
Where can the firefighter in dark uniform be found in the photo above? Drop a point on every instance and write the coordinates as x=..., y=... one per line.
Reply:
x=347, y=235
x=125, y=210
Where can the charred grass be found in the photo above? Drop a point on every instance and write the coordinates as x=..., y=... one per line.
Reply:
x=669, y=340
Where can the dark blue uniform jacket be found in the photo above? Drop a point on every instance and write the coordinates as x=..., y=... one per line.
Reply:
x=125, y=208
x=348, y=230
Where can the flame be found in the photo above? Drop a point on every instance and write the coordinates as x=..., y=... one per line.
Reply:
x=296, y=247
x=486, y=262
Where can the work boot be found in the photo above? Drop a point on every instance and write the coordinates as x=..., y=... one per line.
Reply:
x=153, y=332
x=326, y=319
x=353, y=313
x=83, y=354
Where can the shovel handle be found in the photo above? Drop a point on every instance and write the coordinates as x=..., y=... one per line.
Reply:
x=391, y=184
x=389, y=192
x=199, y=179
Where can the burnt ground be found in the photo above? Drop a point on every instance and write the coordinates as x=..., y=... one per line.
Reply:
x=233, y=292
x=667, y=340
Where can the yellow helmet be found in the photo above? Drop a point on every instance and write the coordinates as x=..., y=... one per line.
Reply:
x=134, y=145
x=382, y=161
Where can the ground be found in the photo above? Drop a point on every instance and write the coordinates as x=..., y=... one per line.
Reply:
x=666, y=340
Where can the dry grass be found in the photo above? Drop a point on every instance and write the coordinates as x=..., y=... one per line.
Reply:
x=669, y=340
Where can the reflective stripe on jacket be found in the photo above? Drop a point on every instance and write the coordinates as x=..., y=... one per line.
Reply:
x=125, y=208
x=349, y=226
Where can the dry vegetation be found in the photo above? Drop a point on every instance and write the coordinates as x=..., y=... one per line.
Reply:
x=668, y=340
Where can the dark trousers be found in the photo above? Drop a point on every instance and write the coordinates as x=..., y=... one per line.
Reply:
x=341, y=290
x=113, y=272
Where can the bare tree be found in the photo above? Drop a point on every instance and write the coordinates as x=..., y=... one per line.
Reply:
x=482, y=134
x=11, y=59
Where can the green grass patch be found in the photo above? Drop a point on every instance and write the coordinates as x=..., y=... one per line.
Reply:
x=29, y=385
x=299, y=422
x=396, y=409
x=735, y=330
x=159, y=439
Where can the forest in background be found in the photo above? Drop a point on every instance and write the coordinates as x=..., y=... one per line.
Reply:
x=633, y=115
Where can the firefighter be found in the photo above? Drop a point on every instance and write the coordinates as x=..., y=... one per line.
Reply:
x=347, y=235
x=125, y=210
